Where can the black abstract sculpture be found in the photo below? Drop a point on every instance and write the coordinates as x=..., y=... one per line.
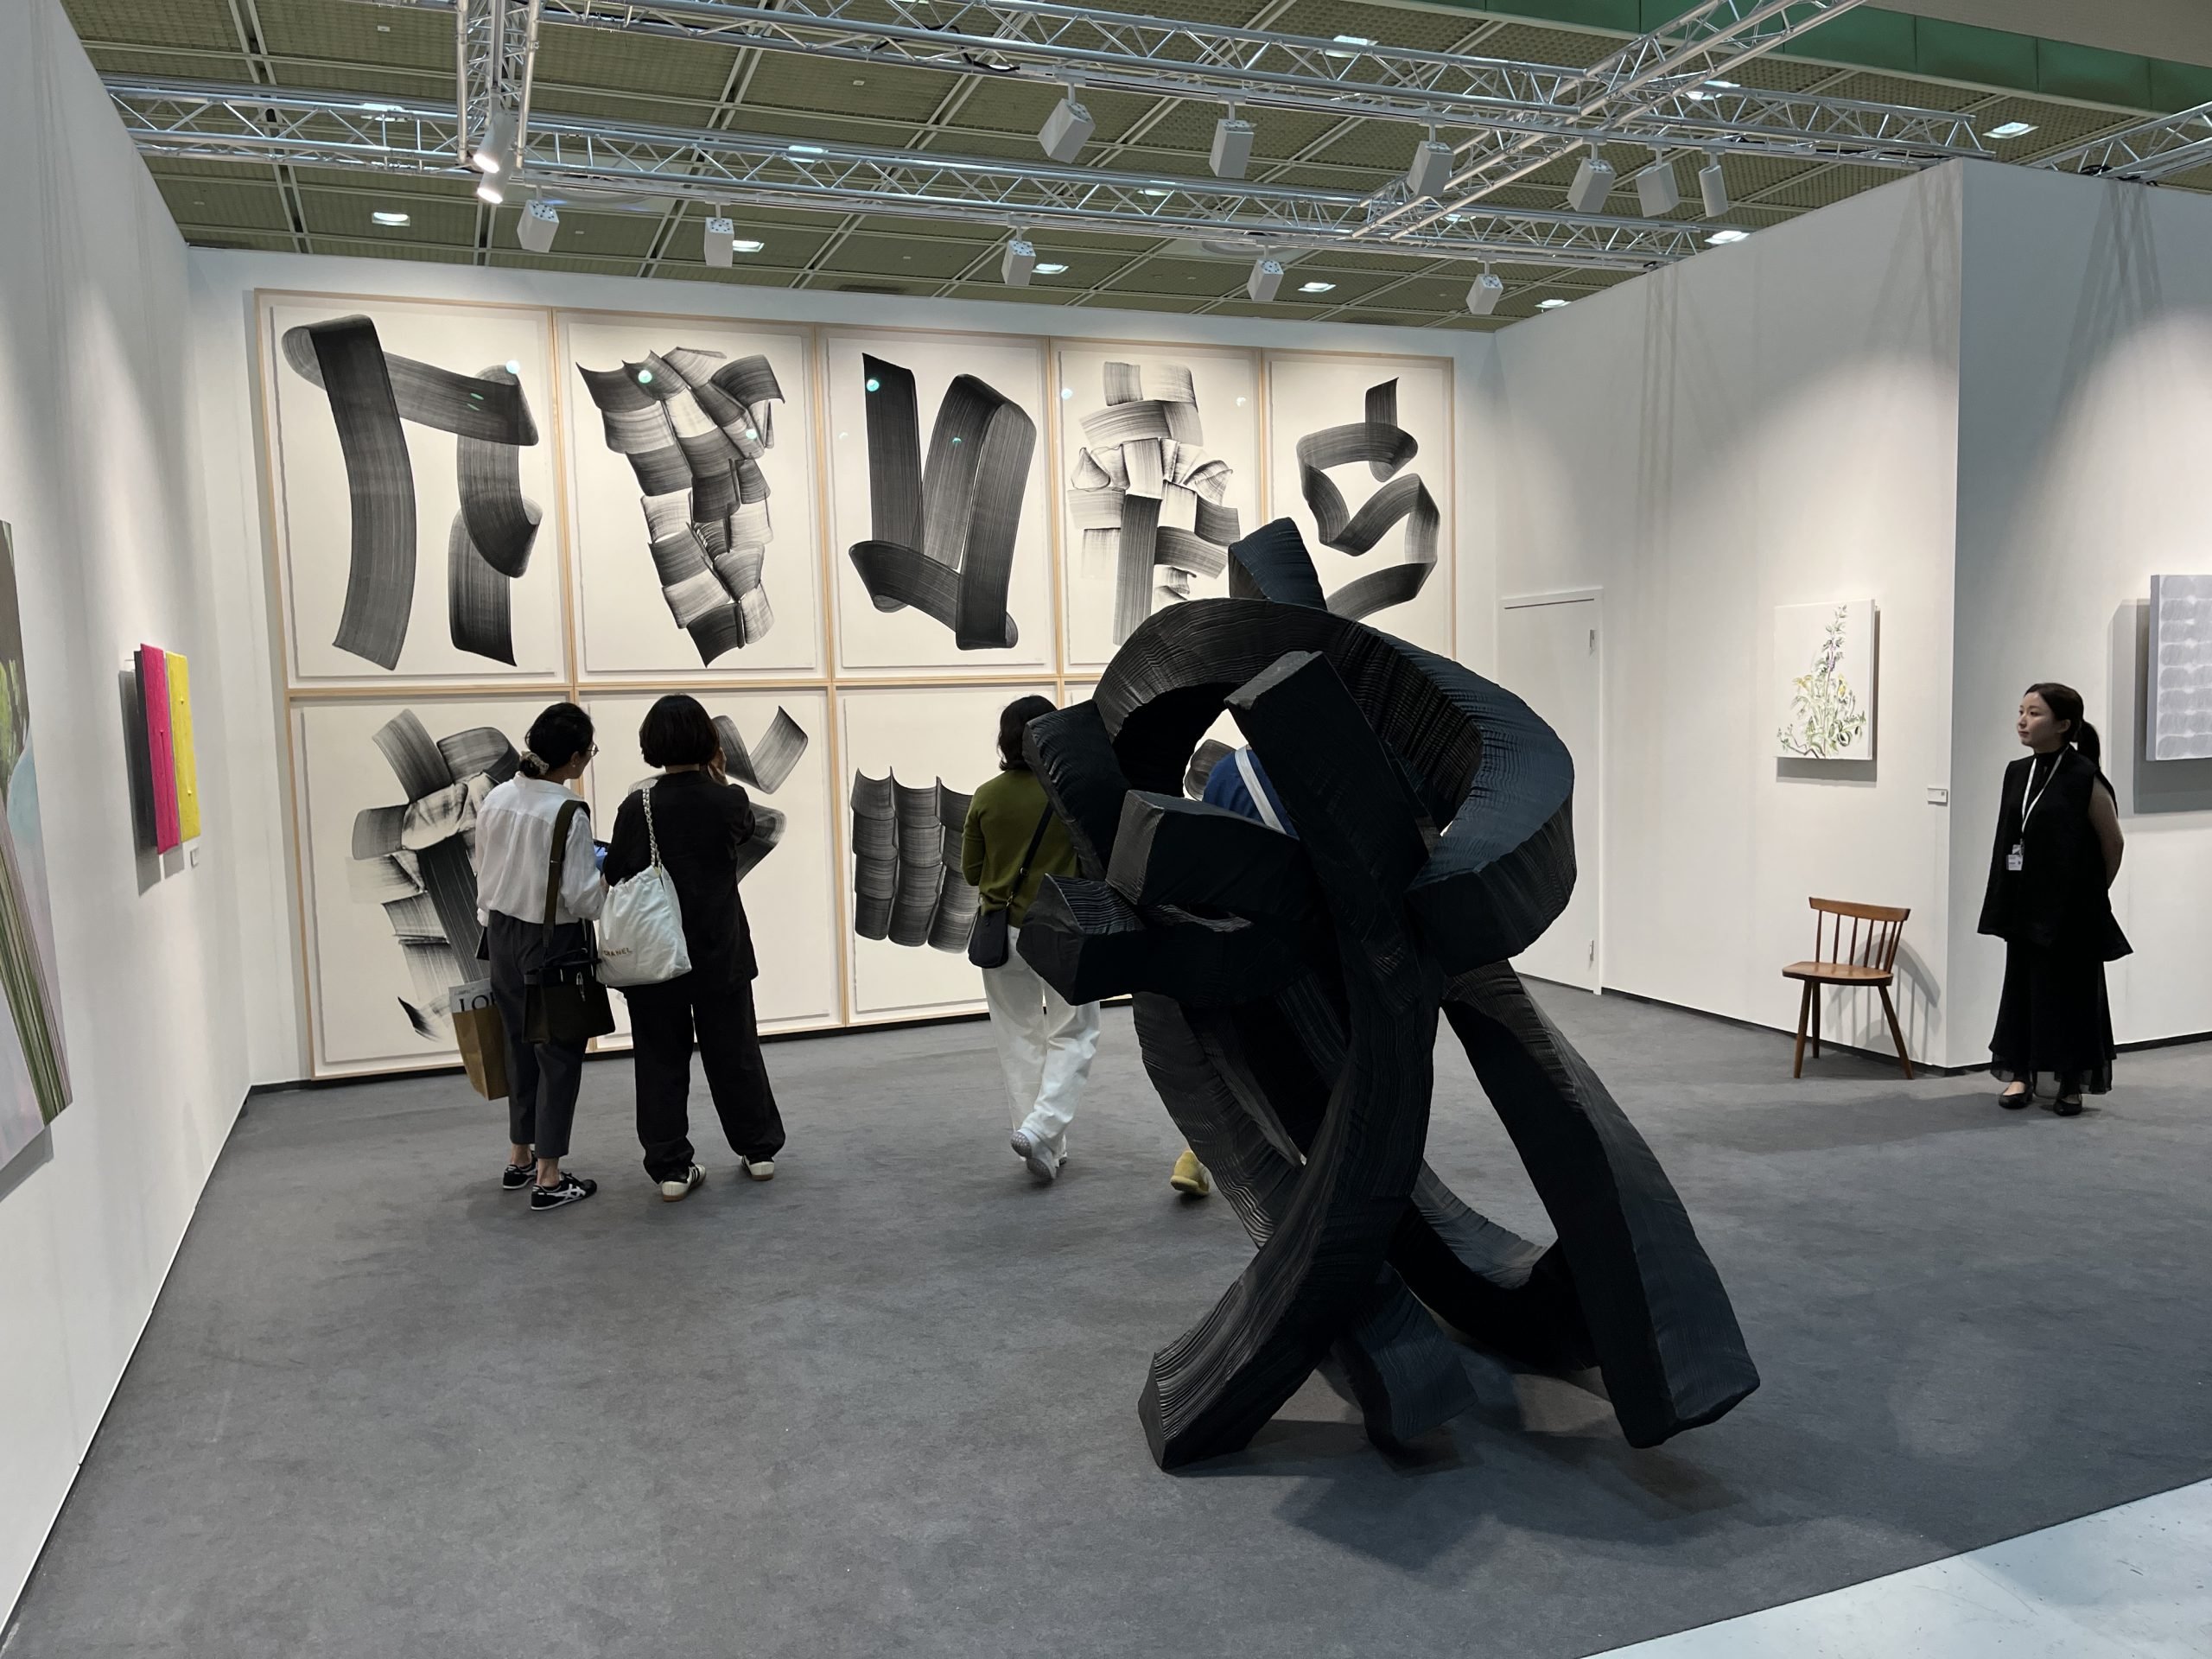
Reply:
x=1287, y=994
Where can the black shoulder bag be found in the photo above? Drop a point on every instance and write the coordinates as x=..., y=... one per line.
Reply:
x=988, y=945
x=564, y=1001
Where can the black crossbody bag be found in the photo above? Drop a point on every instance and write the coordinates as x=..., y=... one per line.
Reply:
x=564, y=1001
x=988, y=942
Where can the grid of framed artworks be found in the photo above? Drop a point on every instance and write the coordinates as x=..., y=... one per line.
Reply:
x=853, y=545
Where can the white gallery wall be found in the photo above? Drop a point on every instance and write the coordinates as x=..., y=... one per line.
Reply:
x=1772, y=424
x=101, y=480
x=2085, y=426
x=286, y=1037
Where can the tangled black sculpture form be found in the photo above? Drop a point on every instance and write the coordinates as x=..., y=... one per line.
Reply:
x=1287, y=994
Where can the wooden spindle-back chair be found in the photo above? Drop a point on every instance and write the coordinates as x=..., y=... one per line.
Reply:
x=1869, y=959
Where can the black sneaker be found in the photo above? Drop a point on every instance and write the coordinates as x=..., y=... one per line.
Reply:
x=570, y=1189
x=515, y=1177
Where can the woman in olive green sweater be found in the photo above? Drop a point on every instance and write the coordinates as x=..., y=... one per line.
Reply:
x=1045, y=1044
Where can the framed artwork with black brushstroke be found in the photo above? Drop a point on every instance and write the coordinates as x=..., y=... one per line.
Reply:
x=412, y=453
x=911, y=758
x=388, y=793
x=776, y=746
x=692, y=496
x=1159, y=472
x=1359, y=457
x=940, y=519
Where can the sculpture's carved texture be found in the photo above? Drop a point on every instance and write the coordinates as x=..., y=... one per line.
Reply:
x=1287, y=1000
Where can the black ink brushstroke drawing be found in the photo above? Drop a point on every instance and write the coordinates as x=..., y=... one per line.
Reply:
x=1147, y=500
x=942, y=530
x=907, y=886
x=761, y=766
x=417, y=858
x=1386, y=447
x=372, y=393
x=693, y=428
x=1286, y=998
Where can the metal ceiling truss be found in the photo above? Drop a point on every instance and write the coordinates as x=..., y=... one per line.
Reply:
x=2147, y=152
x=1667, y=73
x=1255, y=68
x=199, y=121
x=495, y=51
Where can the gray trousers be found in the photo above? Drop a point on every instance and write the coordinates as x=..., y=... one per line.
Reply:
x=542, y=1078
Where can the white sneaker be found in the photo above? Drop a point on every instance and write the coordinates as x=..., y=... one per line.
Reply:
x=679, y=1188
x=759, y=1169
x=1042, y=1163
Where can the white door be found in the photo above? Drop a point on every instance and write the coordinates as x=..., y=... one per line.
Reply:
x=1548, y=655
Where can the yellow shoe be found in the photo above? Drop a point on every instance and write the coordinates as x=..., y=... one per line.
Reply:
x=1190, y=1178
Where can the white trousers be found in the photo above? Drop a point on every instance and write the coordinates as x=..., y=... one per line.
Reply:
x=1045, y=1044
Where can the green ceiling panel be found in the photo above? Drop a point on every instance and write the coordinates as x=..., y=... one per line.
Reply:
x=1865, y=37
x=1989, y=57
x=385, y=35
x=226, y=202
x=2093, y=75
x=2179, y=85
x=156, y=23
x=904, y=257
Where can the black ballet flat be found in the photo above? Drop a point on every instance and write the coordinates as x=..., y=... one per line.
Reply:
x=2067, y=1108
x=2012, y=1102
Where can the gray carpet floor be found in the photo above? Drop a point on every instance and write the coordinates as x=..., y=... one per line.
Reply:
x=885, y=1404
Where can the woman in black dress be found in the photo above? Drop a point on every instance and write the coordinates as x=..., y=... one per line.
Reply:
x=2058, y=848
x=700, y=820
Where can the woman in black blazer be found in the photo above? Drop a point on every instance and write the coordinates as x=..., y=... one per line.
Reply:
x=700, y=820
x=2058, y=848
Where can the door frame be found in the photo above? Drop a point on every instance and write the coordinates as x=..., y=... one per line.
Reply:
x=1594, y=798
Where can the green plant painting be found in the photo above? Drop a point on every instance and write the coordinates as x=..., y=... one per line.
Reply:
x=1830, y=714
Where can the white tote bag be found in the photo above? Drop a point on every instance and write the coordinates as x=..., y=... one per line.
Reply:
x=641, y=925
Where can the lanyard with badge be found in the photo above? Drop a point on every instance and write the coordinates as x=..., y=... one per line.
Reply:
x=2017, y=859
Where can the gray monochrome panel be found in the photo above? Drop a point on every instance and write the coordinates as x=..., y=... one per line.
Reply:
x=2178, y=701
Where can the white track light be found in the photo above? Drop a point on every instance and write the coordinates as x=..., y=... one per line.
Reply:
x=1658, y=191
x=1484, y=294
x=1232, y=147
x=495, y=153
x=1066, y=130
x=1713, y=188
x=720, y=241
x=1020, y=259
x=1593, y=182
x=1431, y=172
x=488, y=189
x=539, y=224
x=1266, y=278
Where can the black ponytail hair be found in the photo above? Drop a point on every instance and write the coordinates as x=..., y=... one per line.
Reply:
x=1014, y=719
x=2065, y=703
x=557, y=736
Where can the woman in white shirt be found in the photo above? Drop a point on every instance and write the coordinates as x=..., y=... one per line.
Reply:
x=514, y=855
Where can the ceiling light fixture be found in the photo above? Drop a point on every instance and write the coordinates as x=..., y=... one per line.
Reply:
x=806, y=150
x=1658, y=190
x=1232, y=146
x=1266, y=278
x=495, y=152
x=1019, y=259
x=1713, y=189
x=1051, y=268
x=1347, y=39
x=1066, y=130
x=488, y=190
x=1593, y=182
x=381, y=216
x=719, y=240
x=2011, y=130
x=1317, y=287
x=747, y=244
x=1722, y=239
x=1430, y=174
x=539, y=224
x=1484, y=294
x=1549, y=305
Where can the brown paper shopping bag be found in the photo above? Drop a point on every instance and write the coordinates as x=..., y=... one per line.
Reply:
x=482, y=1036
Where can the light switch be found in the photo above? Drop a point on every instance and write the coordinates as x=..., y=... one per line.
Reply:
x=1939, y=796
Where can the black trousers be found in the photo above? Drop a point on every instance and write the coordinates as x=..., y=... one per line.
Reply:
x=716, y=1008
x=542, y=1078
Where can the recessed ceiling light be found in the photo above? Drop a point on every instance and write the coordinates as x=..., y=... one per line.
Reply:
x=747, y=244
x=1724, y=86
x=1722, y=239
x=1349, y=39
x=1549, y=305
x=384, y=218
x=1155, y=193
x=860, y=83
x=1049, y=268
x=386, y=109
x=1315, y=287
x=2011, y=130
x=806, y=150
